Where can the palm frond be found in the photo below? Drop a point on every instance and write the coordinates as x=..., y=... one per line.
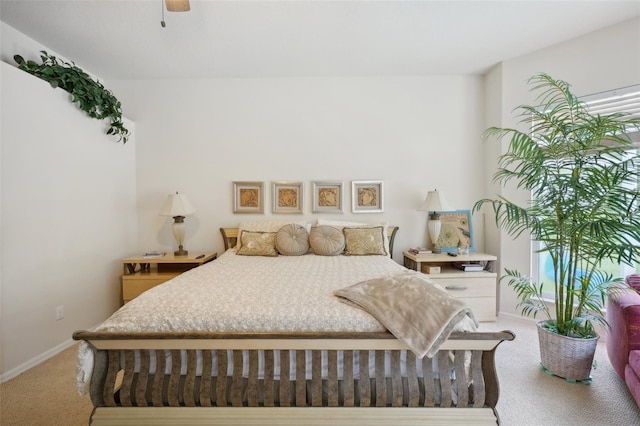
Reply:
x=585, y=201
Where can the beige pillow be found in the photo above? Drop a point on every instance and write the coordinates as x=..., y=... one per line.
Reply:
x=258, y=244
x=326, y=240
x=364, y=241
x=261, y=226
x=342, y=223
x=292, y=240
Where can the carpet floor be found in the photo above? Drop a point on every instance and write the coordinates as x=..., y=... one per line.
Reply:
x=530, y=397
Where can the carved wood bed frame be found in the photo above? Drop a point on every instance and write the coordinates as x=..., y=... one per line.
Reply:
x=125, y=390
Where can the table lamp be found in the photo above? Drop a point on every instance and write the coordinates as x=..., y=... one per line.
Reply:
x=178, y=206
x=434, y=203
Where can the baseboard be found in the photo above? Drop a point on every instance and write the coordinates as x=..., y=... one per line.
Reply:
x=517, y=317
x=8, y=375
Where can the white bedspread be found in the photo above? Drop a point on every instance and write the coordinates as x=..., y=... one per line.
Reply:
x=256, y=294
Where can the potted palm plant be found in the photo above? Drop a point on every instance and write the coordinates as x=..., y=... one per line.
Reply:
x=581, y=170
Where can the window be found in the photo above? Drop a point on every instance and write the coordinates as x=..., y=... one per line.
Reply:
x=619, y=100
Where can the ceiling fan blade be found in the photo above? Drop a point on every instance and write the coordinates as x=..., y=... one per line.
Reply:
x=177, y=5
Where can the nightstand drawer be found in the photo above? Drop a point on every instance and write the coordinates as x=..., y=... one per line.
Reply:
x=468, y=287
x=144, y=272
x=478, y=289
x=134, y=285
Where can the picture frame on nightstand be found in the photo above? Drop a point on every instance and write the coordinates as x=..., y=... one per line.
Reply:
x=456, y=231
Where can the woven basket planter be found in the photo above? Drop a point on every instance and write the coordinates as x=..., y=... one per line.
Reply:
x=567, y=357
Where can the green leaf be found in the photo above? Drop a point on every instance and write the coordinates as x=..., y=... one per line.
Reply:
x=90, y=95
x=584, y=204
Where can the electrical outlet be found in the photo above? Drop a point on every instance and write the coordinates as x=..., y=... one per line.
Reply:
x=59, y=312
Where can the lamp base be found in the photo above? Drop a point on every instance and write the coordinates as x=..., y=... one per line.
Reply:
x=178, y=233
x=434, y=225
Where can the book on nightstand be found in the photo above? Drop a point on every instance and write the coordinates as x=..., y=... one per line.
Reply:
x=469, y=267
x=152, y=254
x=420, y=250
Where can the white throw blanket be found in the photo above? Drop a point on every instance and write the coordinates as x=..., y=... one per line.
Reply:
x=413, y=308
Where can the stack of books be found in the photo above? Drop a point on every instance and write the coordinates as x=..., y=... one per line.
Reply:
x=420, y=250
x=469, y=267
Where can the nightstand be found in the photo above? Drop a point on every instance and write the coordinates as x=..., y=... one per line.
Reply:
x=476, y=289
x=142, y=273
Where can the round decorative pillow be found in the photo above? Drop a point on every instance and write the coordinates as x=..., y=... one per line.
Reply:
x=292, y=240
x=326, y=240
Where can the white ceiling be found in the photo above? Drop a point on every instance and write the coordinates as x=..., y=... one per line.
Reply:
x=124, y=39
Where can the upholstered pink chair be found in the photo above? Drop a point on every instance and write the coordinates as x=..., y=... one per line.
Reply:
x=623, y=339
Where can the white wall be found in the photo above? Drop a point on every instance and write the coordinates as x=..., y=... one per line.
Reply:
x=68, y=216
x=600, y=61
x=198, y=136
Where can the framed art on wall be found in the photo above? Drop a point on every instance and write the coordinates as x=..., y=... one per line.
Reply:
x=287, y=197
x=367, y=196
x=327, y=197
x=248, y=197
x=456, y=231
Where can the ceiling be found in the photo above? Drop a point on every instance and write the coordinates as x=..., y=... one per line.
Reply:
x=124, y=39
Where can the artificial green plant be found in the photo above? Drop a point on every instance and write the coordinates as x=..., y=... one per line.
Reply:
x=90, y=95
x=581, y=170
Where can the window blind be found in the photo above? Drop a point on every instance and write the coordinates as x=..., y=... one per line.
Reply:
x=625, y=100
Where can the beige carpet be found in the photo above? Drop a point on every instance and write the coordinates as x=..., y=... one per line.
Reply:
x=45, y=395
x=530, y=397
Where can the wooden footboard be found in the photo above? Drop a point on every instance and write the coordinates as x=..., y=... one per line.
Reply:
x=131, y=379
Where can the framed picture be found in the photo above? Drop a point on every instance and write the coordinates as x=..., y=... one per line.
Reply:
x=248, y=197
x=456, y=231
x=366, y=196
x=287, y=197
x=327, y=197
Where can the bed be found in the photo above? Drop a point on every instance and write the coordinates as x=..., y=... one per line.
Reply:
x=270, y=339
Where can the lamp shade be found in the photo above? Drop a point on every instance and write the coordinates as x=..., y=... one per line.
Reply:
x=177, y=205
x=434, y=202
